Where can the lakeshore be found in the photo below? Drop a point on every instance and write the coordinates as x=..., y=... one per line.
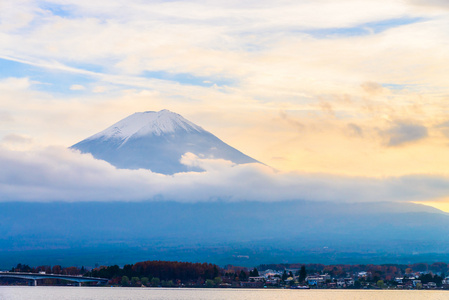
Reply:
x=173, y=274
x=106, y=293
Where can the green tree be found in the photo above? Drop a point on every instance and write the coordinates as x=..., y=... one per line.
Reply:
x=155, y=281
x=218, y=280
x=134, y=281
x=284, y=276
x=128, y=270
x=209, y=283
x=125, y=281
x=302, y=274
x=167, y=283
x=242, y=275
x=145, y=281
x=381, y=284
x=254, y=273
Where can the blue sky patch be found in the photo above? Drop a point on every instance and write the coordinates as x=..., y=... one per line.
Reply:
x=60, y=10
x=188, y=79
x=363, y=29
x=393, y=86
x=60, y=81
x=10, y=68
x=53, y=81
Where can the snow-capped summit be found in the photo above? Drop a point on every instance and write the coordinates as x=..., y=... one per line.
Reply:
x=156, y=141
x=148, y=123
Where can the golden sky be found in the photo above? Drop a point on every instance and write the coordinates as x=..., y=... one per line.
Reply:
x=345, y=87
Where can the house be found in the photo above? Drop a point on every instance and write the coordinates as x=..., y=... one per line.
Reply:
x=331, y=285
x=416, y=282
x=326, y=277
x=349, y=282
x=363, y=275
x=341, y=283
x=315, y=280
x=257, y=279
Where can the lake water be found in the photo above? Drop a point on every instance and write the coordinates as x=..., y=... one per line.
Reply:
x=108, y=293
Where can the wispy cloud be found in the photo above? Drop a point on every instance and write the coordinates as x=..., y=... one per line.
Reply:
x=17, y=139
x=444, y=127
x=438, y=4
x=404, y=132
x=77, y=87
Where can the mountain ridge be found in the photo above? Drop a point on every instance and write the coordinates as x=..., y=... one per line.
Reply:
x=242, y=233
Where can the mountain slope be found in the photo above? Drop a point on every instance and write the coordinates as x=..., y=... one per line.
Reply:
x=156, y=141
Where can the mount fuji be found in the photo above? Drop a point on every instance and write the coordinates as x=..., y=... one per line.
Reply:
x=157, y=141
x=244, y=233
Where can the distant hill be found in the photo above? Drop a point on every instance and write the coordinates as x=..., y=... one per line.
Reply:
x=157, y=141
x=239, y=233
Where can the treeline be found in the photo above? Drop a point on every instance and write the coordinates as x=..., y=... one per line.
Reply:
x=163, y=270
x=56, y=269
x=146, y=273
x=173, y=273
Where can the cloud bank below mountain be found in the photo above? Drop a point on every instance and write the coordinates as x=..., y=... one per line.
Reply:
x=60, y=174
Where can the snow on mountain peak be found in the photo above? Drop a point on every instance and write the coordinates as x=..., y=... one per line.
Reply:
x=157, y=141
x=148, y=123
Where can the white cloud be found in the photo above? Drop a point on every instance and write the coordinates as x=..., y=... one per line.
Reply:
x=77, y=87
x=436, y=4
x=5, y=117
x=59, y=174
x=99, y=89
x=15, y=14
x=15, y=84
x=17, y=139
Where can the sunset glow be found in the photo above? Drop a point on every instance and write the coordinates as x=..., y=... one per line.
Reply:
x=342, y=88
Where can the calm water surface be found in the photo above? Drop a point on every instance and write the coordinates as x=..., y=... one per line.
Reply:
x=102, y=293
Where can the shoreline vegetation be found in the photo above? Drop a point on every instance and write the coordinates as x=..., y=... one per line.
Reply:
x=294, y=276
